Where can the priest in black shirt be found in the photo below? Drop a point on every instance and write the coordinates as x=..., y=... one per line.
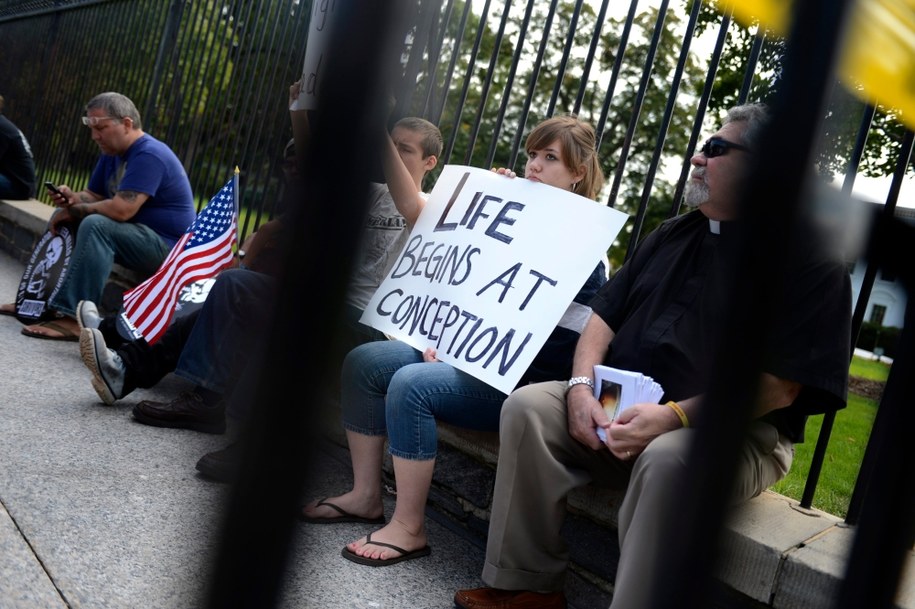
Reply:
x=658, y=316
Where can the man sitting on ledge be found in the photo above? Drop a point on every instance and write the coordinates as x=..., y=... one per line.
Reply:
x=658, y=316
x=136, y=207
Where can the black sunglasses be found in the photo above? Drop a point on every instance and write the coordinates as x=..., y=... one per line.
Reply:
x=715, y=146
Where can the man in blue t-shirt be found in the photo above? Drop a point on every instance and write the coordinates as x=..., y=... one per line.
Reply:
x=136, y=207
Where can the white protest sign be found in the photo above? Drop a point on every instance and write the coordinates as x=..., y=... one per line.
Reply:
x=489, y=270
x=319, y=30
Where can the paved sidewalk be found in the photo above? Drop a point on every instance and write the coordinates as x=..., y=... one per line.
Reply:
x=98, y=511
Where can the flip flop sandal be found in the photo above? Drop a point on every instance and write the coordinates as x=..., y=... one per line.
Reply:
x=65, y=334
x=343, y=517
x=383, y=562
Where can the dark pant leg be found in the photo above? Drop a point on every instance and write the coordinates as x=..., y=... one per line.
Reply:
x=148, y=364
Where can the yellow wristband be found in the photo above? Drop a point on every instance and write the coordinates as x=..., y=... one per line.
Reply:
x=682, y=415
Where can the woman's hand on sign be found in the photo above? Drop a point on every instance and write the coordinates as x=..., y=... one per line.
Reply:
x=503, y=171
x=429, y=355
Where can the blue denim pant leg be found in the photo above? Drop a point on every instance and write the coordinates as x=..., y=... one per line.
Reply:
x=364, y=378
x=100, y=242
x=387, y=388
x=6, y=188
x=231, y=320
x=421, y=394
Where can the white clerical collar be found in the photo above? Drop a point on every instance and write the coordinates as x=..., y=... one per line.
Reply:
x=714, y=226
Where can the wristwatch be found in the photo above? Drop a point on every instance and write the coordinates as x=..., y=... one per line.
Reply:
x=580, y=380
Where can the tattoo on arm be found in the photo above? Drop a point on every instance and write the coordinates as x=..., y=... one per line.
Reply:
x=85, y=198
x=80, y=210
x=128, y=195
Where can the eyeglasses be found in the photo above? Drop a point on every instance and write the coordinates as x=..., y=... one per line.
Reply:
x=93, y=121
x=715, y=146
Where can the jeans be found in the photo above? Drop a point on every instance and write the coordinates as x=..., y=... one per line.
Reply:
x=7, y=191
x=231, y=322
x=100, y=242
x=387, y=388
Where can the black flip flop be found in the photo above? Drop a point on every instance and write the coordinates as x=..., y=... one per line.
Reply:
x=380, y=562
x=343, y=517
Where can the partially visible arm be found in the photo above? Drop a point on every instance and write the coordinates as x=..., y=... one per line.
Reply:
x=403, y=189
x=584, y=411
x=775, y=393
x=122, y=207
x=301, y=132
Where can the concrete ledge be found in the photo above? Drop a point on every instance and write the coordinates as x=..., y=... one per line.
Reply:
x=21, y=225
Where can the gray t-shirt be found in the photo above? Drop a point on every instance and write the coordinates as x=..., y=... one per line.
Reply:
x=384, y=235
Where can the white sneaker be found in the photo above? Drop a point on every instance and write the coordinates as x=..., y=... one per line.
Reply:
x=87, y=315
x=106, y=365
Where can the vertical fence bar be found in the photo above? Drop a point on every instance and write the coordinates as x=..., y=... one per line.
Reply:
x=615, y=72
x=564, y=60
x=819, y=451
x=639, y=219
x=435, y=115
x=700, y=114
x=589, y=59
x=468, y=75
x=636, y=111
x=487, y=83
x=535, y=72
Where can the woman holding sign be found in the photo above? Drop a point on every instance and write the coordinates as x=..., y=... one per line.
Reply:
x=391, y=390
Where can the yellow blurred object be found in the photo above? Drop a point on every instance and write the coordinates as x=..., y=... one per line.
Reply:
x=769, y=14
x=878, y=57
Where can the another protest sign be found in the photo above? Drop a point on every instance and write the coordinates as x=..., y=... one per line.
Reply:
x=489, y=270
x=44, y=274
x=313, y=72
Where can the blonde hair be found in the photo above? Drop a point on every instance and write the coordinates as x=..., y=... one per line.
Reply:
x=579, y=150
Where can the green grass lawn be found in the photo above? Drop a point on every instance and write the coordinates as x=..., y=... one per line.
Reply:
x=844, y=453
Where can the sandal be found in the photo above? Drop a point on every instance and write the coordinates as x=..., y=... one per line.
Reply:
x=63, y=333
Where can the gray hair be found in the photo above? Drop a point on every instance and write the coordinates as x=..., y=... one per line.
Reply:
x=756, y=116
x=116, y=106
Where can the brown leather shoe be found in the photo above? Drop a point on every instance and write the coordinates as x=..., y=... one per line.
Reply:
x=493, y=598
x=187, y=411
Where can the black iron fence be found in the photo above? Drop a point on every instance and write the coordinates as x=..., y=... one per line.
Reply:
x=210, y=78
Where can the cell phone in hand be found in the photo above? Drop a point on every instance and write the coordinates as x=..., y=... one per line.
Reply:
x=54, y=189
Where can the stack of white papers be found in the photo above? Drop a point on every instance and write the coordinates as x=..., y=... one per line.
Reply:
x=618, y=389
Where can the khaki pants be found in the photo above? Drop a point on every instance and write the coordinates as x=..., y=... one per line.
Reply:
x=539, y=464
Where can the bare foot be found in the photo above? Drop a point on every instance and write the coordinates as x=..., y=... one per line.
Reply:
x=396, y=534
x=8, y=308
x=348, y=507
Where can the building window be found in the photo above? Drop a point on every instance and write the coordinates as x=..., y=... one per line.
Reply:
x=877, y=314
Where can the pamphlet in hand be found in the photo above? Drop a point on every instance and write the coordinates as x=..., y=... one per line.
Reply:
x=617, y=390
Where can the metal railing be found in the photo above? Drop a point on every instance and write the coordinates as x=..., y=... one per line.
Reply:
x=210, y=79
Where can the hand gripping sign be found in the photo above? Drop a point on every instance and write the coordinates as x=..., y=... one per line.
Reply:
x=489, y=269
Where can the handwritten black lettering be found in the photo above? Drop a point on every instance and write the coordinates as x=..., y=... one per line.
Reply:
x=321, y=9
x=311, y=87
x=442, y=225
x=540, y=279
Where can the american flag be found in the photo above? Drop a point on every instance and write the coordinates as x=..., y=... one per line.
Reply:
x=202, y=252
